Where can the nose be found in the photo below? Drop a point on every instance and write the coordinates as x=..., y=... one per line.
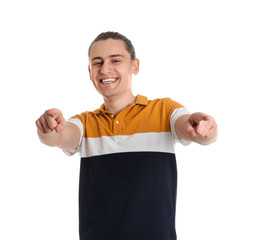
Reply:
x=106, y=68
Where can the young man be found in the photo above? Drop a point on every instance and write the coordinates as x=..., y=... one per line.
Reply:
x=128, y=174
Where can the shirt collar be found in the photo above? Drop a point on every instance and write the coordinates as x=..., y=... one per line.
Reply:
x=141, y=100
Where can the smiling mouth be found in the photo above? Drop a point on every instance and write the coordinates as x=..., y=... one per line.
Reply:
x=108, y=80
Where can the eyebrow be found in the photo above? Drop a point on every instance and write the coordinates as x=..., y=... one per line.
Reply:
x=110, y=56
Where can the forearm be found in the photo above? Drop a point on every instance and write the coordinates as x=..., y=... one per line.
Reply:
x=67, y=139
x=50, y=139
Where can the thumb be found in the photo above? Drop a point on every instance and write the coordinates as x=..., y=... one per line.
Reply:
x=60, y=127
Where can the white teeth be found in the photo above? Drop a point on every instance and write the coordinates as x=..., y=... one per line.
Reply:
x=109, y=80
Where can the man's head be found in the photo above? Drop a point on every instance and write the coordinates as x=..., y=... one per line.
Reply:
x=112, y=62
x=117, y=36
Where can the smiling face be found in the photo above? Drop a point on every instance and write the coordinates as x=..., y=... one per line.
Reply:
x=111, y=68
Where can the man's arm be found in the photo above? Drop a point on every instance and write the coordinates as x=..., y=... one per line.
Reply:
x=197, y=127
x=54, y=131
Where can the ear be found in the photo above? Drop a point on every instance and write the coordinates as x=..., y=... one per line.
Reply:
x=89, y=70
x=135, y=66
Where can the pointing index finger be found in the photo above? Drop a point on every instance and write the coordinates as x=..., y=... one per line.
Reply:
x=53, y=112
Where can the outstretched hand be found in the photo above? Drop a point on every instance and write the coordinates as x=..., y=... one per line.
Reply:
x=51, y=120
x=201, y=124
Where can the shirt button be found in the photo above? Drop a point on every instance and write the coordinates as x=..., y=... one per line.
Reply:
x=112, y=115
x=117, y=122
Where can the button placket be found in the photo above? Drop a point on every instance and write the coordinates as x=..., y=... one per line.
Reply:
x=117, y=126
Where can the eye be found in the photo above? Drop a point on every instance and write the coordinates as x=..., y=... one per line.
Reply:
x=115, y=61
x=97, y=63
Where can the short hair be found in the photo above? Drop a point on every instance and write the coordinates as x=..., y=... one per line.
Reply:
x=117, y=36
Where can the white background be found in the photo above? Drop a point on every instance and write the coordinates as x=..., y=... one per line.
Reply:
x=200, y=53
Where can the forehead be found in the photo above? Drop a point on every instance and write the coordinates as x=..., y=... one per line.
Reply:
x=105, y=48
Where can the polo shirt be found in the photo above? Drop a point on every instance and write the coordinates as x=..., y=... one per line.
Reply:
x=128, y=173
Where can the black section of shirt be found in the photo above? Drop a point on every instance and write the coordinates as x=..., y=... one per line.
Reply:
x=128, y=196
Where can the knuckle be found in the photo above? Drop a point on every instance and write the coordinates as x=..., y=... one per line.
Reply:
x=48, y=130
x=38, y=124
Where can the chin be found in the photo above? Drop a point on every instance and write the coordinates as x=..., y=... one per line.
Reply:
x=109, y=94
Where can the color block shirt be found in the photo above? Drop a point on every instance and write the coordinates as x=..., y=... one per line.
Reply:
x=128, y=174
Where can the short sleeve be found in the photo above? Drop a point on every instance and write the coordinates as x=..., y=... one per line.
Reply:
x=178, y=112
x=79, y=124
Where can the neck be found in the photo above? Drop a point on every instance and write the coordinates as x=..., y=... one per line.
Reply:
x=117, y=104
